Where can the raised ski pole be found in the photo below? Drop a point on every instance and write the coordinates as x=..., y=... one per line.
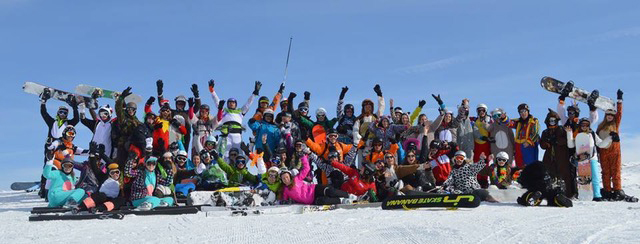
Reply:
x=286, y=66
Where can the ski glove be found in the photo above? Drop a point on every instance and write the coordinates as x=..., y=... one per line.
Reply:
x=343, y=92
x=159, y=86
x=421, y=103
x=615, y=137
x=151, y=100
x=175, y=123
x=191, y=102
x=377, y=90
x=281, y=88
x=126, y=92
x=71, y=100
x=95, y=94
x=256, y=89
x=307, y=95
x=46, y=94
x=194, y=89
x=438, y=99
x=212, y=83
x=620, y=93
x=292, y=95
x=93, y=149
x=221, y=105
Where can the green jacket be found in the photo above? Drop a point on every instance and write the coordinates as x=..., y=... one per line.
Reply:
x=215, y=173
x=275, y=187
x=237, y=176
x=327, y=124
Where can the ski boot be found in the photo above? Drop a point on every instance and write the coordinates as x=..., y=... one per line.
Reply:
x=598, y=199
x=163, y=204
x=591, y=100
x=71, y=204
x=606, y=195
x=561, y=201
x=619, y=195
x=531, y=199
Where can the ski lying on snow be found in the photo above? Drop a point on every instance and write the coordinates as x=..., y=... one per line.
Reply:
x=127, y=210
x=45, y=210
x=320, y=208
x=431, y=201
x=47, y=217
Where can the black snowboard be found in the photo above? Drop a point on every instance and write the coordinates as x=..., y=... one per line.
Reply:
x=22, y=186
x=46, y=217
x=432, y=201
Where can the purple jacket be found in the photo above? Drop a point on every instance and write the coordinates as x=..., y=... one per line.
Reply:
x=301, y=192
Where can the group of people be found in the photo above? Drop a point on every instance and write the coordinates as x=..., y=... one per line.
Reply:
x=314, y=159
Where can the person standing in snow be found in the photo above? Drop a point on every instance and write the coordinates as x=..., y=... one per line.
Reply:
x=526, y=137
x=557, y=156
x=444, y=126
x=346, y=119
x=611, y=157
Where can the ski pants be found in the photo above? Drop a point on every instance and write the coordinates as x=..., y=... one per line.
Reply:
x=59, y=198
x=325, y=195
x=185, y=188
x=155, y=201
x=611, y=160
x=102, y=202
x=526, y=155
x=596, y=181
x=233, y=141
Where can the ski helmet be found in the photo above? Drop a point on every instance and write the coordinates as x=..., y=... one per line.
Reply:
x=112, y=166
x=263, y=99
x=281, y=150
x=267, y=111
x=204, y=107
x=274, y=169
x=575, y=109
x=502, y=155
x=333, y=154
x=181, y=98
x=211, y=138
x=331, y=131
x=349, y=106
x=284, y=102
x=484, y=106
x=182, y=153
x=584, y=120
x=132, y=105
x=435, y=145
x=151, y=160
x=66, y=160
x=321, y=112
x=397, y=110
x=69, y=131
x=285, y=171
x=523, y=106
x=367, y=101
x=303, y=105
x=231, y=99
x=461, y=153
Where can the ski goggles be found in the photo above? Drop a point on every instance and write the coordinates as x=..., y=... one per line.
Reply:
x=241, y=161
x=552, y=120
x=411, y=156
x=209, y=144
x=304, y=110
x=391, y=157
x=481, y=110
x=523, y=110
x=276, y=161
x=131, y=109
x=63, y=112
x=572, y=112
x=273, y=174
x=104, y=113
x=114, y=172
x=181, y=158
x=501, y=159
x=333, y=135
x=70, y=133
x=459, y=158
x=67, y=165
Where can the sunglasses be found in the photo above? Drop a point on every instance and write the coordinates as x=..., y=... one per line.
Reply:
x=151, y=163
x=321, y=115
x=210, y=143
x=391, y=157
x=552, y=120
x=571, y=113
x=104, y=113
x=482, y=110
x=298, y=145
x=114, y=172
x=233, y=155
x=273, y=175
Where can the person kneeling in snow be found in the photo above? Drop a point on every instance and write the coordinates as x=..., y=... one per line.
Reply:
x=360, y=182
x=301, y=192
x=147, y=179
x=62, y=191
x=538, y=183
x=463, y=178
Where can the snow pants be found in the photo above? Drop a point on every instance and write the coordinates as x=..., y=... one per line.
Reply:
x=596, y=181
x=58, y=198
x=185, y=188
x=233, y=141
x=611, y=160
x=325, y=195
x=526, y=155
x=101, y=202
x=155, y=201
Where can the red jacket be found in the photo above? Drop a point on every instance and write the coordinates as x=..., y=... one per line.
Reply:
x=441, y=167
x=354, y=184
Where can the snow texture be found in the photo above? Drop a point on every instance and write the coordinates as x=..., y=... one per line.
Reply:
x=505, y=222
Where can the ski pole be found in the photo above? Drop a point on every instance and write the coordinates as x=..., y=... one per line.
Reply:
x=286, y=66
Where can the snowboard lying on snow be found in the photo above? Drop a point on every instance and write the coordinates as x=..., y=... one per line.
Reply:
x=281, y=209
x=232, y=196
x=44, y=214
x=431, y=201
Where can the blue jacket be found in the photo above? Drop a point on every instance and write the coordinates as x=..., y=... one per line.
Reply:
x=271, y=130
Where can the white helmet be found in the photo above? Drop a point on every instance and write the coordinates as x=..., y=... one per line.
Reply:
x=482, y=105
x=461, y=153
x=502, y=155
x=267, y=111
x=321, y=111
x=182, y=153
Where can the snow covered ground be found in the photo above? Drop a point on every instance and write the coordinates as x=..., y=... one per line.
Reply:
x=506, y=222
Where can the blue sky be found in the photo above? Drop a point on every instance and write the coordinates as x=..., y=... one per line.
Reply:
x=494, y=52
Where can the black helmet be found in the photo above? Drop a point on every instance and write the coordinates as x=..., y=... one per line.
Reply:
x=349, y=106
x=369, y=169
x=263, y=99
x=333, y=154
x=584, y=120
x=331, y=131
x=435, y=145
x=204, y=106
x=376, y=141
x=576, y=109
x=523, y=106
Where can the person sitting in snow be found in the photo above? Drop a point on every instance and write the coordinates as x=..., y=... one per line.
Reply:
x=108, y=197
x=463, y=180
x=147, y=178
x=62, y=190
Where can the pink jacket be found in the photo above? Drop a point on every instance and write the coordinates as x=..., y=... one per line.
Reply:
x=301, y=192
